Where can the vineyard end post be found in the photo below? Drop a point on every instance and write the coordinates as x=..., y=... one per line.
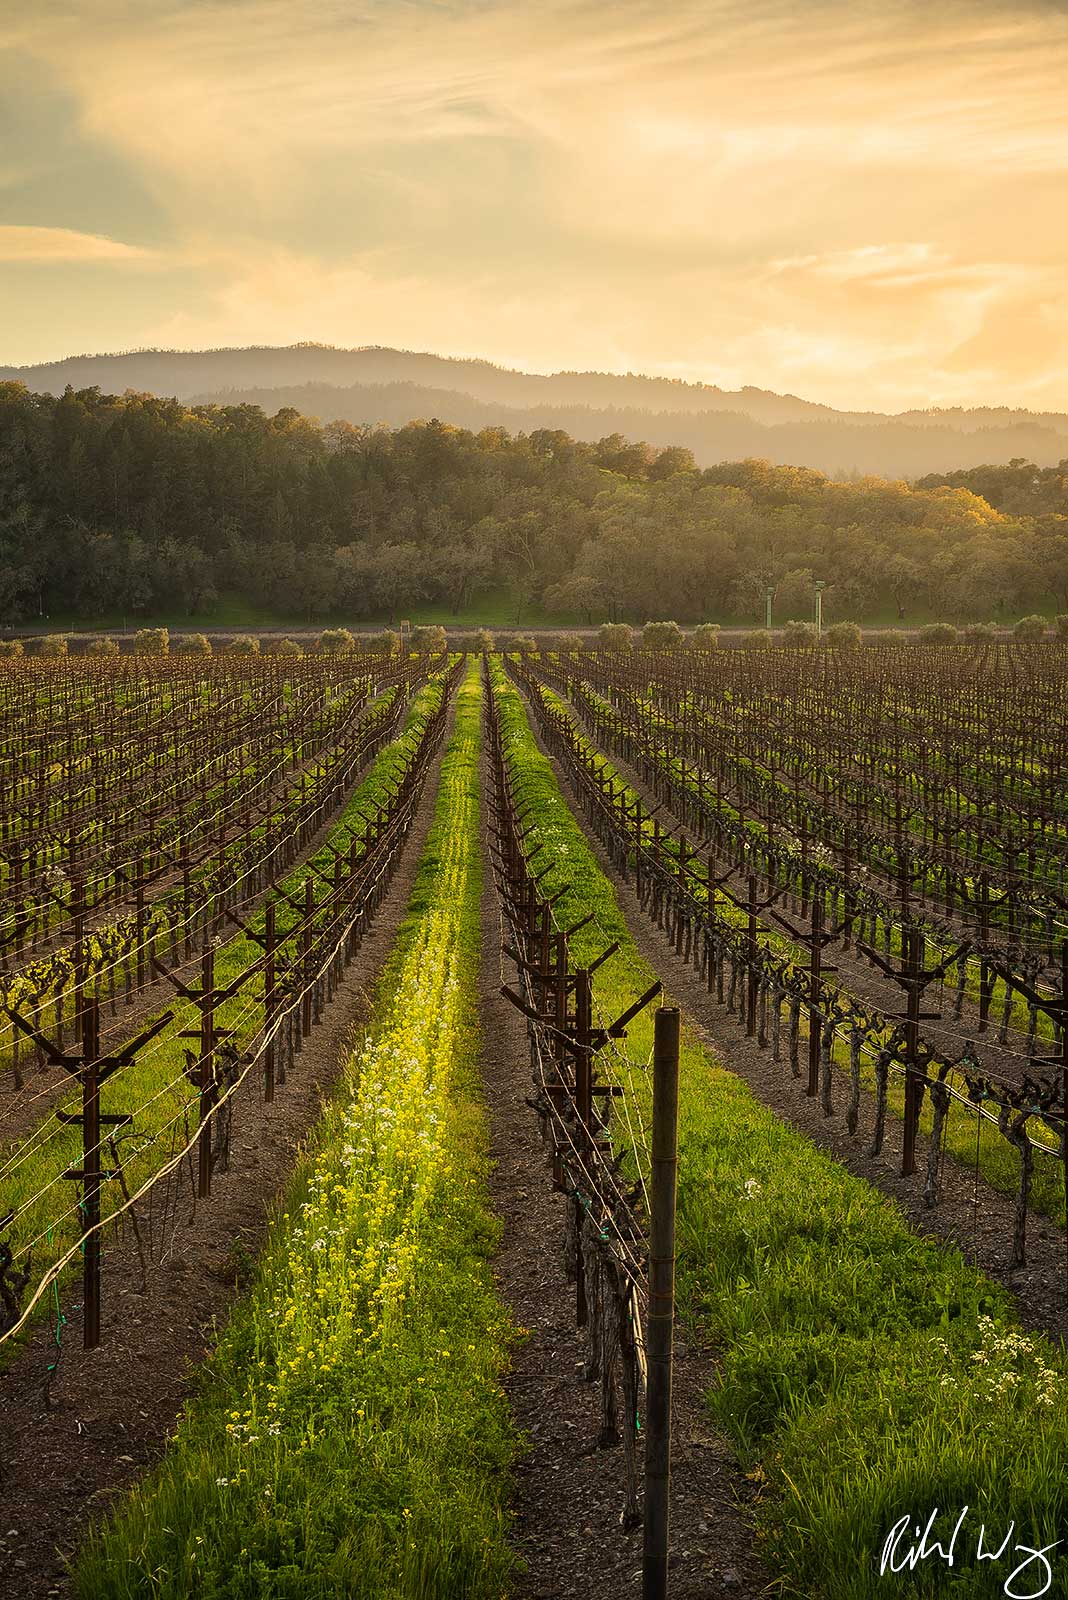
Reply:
x=661, y=1303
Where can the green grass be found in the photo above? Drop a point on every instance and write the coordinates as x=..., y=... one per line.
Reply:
x=495, y=608
x=229, y=611
x=350, y=1437
x=865, y=1373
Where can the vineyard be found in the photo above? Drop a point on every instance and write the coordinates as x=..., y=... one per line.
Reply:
x=399, y=1055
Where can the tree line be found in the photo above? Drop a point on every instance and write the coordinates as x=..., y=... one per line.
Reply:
x=137, y=504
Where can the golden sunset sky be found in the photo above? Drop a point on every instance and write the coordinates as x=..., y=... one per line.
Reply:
x=860, y=203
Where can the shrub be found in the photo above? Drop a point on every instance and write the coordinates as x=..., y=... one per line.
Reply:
x=1030, y=628
x=844, y=636
x=662, y=636
x=335, y=641
x=102, y=647
x=759, y=639
x=798, y=635
x=11, y=648
x=53, y=644
x=891, y=638
x=615, y=636
x=288, y=647
x=152, y=642
x=244, y=644
x=939, y=633
x=428, y=640
x=1060, y=624
x=192, y=644
x=705, y=636
x=386, y=643
x=561, y=643
x=524, y=643
x=473, y=644
x=980, y=634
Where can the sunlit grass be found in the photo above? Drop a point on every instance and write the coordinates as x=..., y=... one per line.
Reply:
x=865, y=1372
x=350, y=1437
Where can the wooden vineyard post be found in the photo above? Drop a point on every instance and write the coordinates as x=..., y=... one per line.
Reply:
x=92, y=1070
x=661, y=1303
x=207, y=1073
x=268, y=1001
x=912, y=967
x=752, y=951
x=306, y=942
x=985, y=978
x=814, y=977
x=583, y=1106
x=90, y=1173
x=139, y=892
x=77, y=889
x=186, y=899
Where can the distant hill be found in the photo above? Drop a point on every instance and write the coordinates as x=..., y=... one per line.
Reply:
x=396, y=386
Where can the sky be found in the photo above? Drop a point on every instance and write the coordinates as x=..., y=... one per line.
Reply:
x=861, y=203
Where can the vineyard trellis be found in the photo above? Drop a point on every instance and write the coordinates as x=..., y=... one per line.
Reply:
x=272, y=816
x=281, y=995
x=606, y=1235
x=1015, y=1083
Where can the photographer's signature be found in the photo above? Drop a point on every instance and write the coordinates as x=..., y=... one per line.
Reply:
x=907, y=1544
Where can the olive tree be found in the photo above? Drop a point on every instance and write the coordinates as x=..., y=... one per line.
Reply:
x=192, y=644
x=152, y=642
x=705, y=636
x=939, y=633
x=335, y=641
x=844, y=636
x=615, y=636
x=662, y=636
x=428, y=640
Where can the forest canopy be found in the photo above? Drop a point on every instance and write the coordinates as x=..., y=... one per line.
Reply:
x=139, y=504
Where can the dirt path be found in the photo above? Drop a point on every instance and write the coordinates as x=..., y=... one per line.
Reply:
x=971, y=1214
x=69, y=1446
x=569, y=1494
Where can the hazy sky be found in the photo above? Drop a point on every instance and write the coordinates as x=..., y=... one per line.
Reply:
x=860, y=203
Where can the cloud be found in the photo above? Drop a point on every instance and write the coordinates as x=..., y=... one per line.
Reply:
x=65, y=245
x=841, y=197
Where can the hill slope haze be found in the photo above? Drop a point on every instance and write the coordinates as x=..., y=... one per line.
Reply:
x=375, y=384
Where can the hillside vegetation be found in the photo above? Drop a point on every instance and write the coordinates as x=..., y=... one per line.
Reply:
x=136, y=504
x=379, y=385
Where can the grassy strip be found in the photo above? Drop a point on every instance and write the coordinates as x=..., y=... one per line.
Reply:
x=866, y=1373
x=997, y=1159
x=350, y=1437
x=153, y=1089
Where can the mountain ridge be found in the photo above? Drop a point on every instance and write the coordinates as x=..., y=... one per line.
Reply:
x=397, y=386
